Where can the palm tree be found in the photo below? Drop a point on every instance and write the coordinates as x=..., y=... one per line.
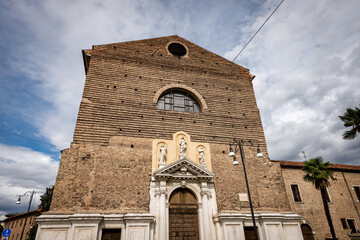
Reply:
x=351, y=118
x=319, y=174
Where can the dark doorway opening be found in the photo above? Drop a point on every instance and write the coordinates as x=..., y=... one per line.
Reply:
x=249, y=233
x=307, y=232
x=111, y=234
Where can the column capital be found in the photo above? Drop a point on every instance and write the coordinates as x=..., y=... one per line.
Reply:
x=159, y=192
x=206, y=192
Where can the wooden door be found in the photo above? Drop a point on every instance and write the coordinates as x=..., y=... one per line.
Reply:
x=111, y=234
x=183, y=216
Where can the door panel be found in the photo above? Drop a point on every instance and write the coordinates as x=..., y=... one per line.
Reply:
x=183, y=216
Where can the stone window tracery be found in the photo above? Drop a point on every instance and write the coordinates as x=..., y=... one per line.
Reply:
x=177, y=100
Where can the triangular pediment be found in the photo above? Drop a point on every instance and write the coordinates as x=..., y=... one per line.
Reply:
x=154, y=49
x=184, y=169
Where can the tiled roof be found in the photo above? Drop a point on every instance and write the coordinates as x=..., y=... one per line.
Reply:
x=23, y=214
x=333, y=167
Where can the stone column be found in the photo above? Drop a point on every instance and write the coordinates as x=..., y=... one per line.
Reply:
x=156, y=212
x=201, y=222
x=162, y=211
x=206, y=194
x=219, y=233
x=154, y=205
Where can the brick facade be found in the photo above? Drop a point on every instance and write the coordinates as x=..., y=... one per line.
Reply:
x=344, y=200
x=122, y=80
x=112, y=165
x=122, y=84
x=16, y=224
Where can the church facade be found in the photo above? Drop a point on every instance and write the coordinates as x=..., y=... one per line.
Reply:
x=150, y=154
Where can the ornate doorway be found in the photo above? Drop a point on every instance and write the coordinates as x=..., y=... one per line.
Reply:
x=183, y=216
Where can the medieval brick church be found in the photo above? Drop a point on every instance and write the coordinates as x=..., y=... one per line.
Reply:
x=150, y=154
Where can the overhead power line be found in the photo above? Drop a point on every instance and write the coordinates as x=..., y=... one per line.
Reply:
x=258, y=30
x=31, y=139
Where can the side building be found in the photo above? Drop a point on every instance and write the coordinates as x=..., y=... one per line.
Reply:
x=149, y=158
x=343, y=197
x=16, y=224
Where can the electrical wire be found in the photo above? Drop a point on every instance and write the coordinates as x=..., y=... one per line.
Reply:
x=31, y=139
x=258, y=30
x=34, y=140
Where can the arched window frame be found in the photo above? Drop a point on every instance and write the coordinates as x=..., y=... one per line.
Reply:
x=183, y=88
x=178, y=100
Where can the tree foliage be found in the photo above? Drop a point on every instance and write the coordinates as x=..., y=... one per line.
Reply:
x=45, y=199
x=351, y=118
x=32, y=233
x=317, y=172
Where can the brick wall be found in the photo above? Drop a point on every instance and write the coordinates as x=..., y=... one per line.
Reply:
x=121, y=84
x=108, y=165
x=113, y=178
x=311, y=206
x=265, y=182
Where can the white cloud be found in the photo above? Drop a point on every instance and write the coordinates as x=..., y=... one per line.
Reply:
x=47, y=50
x=306, y=58
x=42, y=43
x=306, y=61
x=22, y=170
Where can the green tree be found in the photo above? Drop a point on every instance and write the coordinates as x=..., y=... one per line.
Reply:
x=32, y=233
x=45, y=199
x=351, y=118
x=319, y=174
x=1, y=229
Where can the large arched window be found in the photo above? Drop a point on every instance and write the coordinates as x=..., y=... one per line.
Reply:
x=175, y=100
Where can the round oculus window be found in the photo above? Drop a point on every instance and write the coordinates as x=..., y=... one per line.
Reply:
x=177, y=49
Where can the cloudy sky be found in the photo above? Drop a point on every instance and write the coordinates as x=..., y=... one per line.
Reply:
x=306, y=59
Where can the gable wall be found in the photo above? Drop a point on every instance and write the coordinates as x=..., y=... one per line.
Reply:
x=101, y=172
x=138, y=69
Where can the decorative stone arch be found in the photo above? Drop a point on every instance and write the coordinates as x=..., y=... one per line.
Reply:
x=194, y=188
x=195, y=93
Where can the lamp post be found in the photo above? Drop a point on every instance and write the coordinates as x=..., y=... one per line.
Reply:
x=239, y=144
x=27, y=213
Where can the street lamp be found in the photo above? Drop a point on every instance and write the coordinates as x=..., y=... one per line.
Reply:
x=27, y=213
x=238, y=144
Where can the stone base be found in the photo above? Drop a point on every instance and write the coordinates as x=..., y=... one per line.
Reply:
x=229, y=226
x=90, y=226
x=271, y=226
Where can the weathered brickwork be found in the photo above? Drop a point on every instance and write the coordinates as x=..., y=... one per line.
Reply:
x=122, y=80
x=265, y=180
x=113, y=163
x=311, y=207
x=112, y=178
x=108, y=166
